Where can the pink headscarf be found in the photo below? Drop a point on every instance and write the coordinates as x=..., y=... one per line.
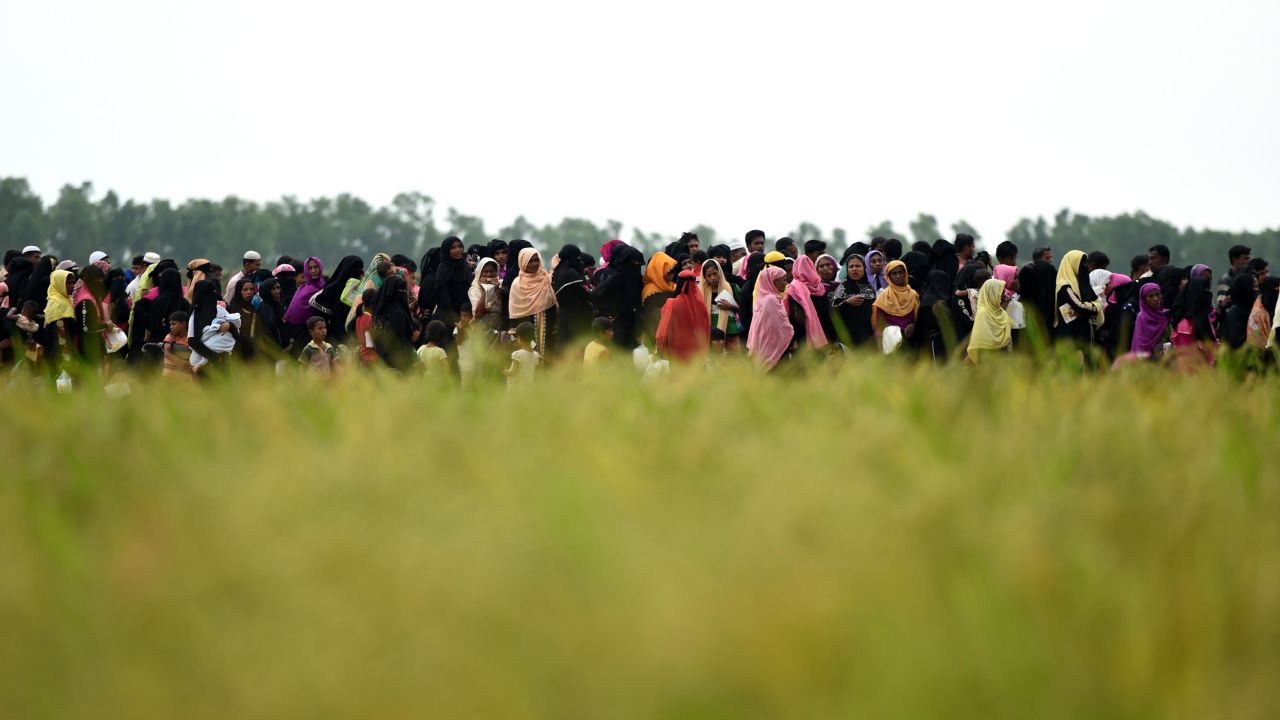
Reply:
x=771, y=332
x=804, y=285
x=606, y=251
x=1119, y=280
x=1008, y=274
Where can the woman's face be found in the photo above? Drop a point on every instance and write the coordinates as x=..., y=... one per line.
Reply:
x=313, y=270
x=826, y=269
x=471, y=262
x=246, y=292
x=535, y=264
x=1153, y=301
x=276, y=292
x=1207, y=274
x=897, y=276
x=456, y=251
x=856, y=268
x=490, y=274
x=501, y=257
x=712, y=274
x=877, y=264
x=686, y=264
x=780, y=283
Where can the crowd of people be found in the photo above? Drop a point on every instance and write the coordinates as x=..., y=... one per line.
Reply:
x=502, y=309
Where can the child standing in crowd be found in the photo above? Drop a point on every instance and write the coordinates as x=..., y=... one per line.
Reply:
x=318, y=355
x=175, y=349
x=432, y=358
x=525, y=359
x=364, y=328
x=597, y=351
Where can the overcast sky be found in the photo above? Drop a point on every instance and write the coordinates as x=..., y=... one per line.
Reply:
x=660, y=114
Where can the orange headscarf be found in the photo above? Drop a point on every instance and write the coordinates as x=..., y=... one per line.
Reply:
x=531, y=292
x=655, y=276
x=897, y=300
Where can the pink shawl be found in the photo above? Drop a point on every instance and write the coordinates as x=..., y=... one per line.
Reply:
x=771, y=331
x=804, y=285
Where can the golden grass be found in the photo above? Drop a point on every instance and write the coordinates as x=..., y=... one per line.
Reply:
x=883, y=541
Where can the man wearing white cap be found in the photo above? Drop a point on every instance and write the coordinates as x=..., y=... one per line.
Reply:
x=252, y=261
x=131, y=290
x=32, y=253
x=101, y=259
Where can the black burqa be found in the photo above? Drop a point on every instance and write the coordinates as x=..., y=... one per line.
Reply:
x=452, y=280
x=393, y=323
x=946, y=259
x=746, y=294
x=617, y=293
x=328, y=302
x=1235, y=328
x=574, y=313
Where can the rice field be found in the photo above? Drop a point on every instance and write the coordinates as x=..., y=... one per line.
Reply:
x=877, y=540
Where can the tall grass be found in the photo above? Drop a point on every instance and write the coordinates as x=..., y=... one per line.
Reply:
x=879, y=541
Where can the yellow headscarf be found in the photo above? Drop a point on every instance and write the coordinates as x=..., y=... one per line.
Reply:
x=655, y=275
x=57, y=302
x=895, y=300
x=992, y=327
x=1069, y=275
x=1069, y=272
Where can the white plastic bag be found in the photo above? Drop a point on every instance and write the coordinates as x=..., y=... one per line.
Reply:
x=890, y=339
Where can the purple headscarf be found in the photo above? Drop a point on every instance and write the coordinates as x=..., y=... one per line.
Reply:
x=1150, y=326
x=300, y=306
x=1199, y=268
x=878, y=281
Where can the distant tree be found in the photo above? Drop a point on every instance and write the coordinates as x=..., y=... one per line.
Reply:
x=925, y=229
x=884, y=230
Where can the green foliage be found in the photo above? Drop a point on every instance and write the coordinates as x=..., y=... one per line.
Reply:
x=882, y=541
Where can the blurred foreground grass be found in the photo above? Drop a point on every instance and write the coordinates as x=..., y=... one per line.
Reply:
x=883, y=542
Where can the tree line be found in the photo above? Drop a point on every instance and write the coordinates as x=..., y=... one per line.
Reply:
x=77, y=223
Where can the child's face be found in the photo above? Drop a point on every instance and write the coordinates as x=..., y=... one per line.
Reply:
x=319, y=332
x=29, y=311
x=175, y=327
x=607, y=334
x=717, y=345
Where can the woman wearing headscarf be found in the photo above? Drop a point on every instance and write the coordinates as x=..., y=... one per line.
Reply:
x=37, y=285
x=498, y=251
x=850, y=303
x=659, y=287
x=753, y=266
x=1195, y=324
x=333, y=302
x=992, y=328
x=425, y=306
x=606, y=252
x=509, y=277
x=374, y=273
x=938, y=311
x=163, y=300
x=211, y=330
x=295, y=317
x=452, y=283
x=486, y=308
x=1152, y=322
x=718, y=298
x=197, y=270
x=968, y=282
x=1008, y=274
x=1244, y=293
x=92, y=313
x=140, y=313
x=876, y=275
x=288, y=277
x=394, y=329
x=945, y=259
x=1078, y=307
x=771, y=337
x=61, y=332
x=617, y=292
x=533, y=300
x=574, y=313
x=917, y=269
x=271, y=312
x=897, y=306
x=804, y=288
x=1260, y=319
x=251, y=336
x=1036, y=282
x=684, y=329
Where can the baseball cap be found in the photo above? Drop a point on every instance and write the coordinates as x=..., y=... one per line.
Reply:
x=97, y=256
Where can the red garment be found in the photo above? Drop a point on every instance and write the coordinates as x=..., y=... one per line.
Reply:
x=364, y=336
x=684, y=332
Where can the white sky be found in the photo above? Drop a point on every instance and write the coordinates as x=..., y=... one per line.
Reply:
x=660, y=114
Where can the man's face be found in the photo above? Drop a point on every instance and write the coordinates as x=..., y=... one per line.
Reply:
x=252, y=266
x=137, y=269
x=1241, y=261
x=756, y=245
x=792, y=251
x=737, y=254
x=1154, y=260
